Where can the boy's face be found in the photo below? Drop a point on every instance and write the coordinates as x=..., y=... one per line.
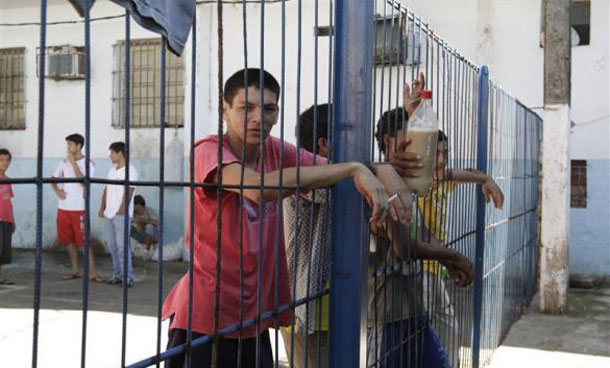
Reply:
x=5, y=162
x=441, y=160
x=391, y=143
x=138, y=208
x=72, y=147
x=115, y=156
x=250, y=111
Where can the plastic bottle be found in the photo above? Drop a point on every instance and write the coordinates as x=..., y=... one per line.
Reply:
x=422, y=130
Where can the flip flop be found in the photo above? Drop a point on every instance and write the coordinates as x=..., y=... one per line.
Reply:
x=6, y=282
x=96, y=279
x=70, y=276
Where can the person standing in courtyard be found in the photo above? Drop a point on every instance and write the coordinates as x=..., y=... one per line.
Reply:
x=7, y=218
x=114, y=207
x=71, y=205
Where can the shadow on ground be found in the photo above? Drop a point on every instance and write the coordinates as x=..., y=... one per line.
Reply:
x=109, y=338
x=56, y=293
x=579, y=338
x=584, y=328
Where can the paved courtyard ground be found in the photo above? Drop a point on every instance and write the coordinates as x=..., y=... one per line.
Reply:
x=60, y=333
x=578, y=339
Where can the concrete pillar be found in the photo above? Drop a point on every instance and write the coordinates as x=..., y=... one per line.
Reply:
x=555, y=157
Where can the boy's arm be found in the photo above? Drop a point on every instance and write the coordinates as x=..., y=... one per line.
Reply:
x=488, y=185
x=122, y=208
x=395, y=186
x=152, y=218
x=408, y=164
x=467, y=176
x=310, y=177
x=459, y=267
x=103, y=204
x=58, y=191
x=77, y=172
x=14, y=221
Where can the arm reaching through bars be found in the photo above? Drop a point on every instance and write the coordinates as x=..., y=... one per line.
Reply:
x=310, y=177
x=460, y=268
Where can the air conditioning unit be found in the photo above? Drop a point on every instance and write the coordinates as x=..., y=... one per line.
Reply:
x=64, y=62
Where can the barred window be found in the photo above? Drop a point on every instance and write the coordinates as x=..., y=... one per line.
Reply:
x=580, y=20
x=578, y=184
x=145, y=86
x=12, y=89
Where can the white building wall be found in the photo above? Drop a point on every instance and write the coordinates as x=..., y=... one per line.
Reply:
x=65, y=111
x=64, y=100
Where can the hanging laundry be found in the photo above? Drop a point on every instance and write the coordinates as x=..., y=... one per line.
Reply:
x=79, y=5
x=171, y=19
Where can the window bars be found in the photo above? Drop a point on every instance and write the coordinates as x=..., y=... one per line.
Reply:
x=145, y=83
x=12, y=88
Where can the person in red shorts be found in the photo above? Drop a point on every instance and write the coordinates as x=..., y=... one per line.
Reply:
x=71, y=207
x=261, y=257
x=7, y=218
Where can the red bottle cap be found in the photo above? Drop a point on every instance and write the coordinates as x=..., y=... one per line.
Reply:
x=426, y=93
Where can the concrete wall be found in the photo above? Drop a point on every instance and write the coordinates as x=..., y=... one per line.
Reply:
x=590, y=227
x=64, y=114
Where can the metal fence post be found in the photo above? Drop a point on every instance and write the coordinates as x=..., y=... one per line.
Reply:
x=482, y=104
x=351, y=142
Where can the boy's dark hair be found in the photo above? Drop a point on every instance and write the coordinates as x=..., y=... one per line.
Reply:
x=77, y=139
x=5, y=152
x=250, y=77
x=118, y=147
x=305, y=129
x=442, y=137
x=138, y=199
x=389, y=123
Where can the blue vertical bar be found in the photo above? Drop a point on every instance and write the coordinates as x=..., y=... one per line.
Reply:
x=39, y=176
x=351, y=142
x=482, y=103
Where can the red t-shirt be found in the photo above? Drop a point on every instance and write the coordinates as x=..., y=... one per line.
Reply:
x=6, y=208
x=205, y=244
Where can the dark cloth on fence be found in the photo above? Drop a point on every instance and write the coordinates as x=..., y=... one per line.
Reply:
x=171, y=19
x=227, y=351
x=6, y=234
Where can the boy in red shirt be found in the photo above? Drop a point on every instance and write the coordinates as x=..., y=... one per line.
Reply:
x=7, y=219
x=249, y=126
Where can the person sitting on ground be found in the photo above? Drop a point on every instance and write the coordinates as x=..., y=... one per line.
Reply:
x=7, y=218
x=253, y=255
x=145, y=225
